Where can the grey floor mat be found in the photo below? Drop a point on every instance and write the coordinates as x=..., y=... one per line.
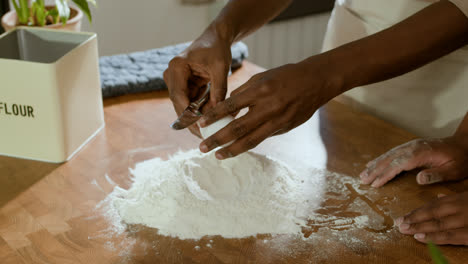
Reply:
x=143, y=71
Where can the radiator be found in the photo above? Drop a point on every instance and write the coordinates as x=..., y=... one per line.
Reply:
x=287, y=41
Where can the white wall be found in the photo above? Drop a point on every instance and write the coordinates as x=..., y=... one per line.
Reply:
x=287, y=41
x=132, y=25
x=124, y=25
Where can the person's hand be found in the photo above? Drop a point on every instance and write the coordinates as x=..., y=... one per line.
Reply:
x=207, y=59
x=278, y=100
x=441, y=160
x=443, y=221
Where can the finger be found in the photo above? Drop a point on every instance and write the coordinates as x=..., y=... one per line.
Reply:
x=450, y=237
x=218, y=86
x=435, y=210
x=195, y=130
x=177, y=82
x=389, y=172
x=387, y=167
x=445, y=172
x=237, y=91
x=409, y=156
x=378, y=165
x=249, y=141
x=434, y=225
x=442, y=198
x=234, y=130
x=231, y=105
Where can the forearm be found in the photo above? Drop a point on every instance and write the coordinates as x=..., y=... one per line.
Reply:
x=426, y=36
x=239, y=18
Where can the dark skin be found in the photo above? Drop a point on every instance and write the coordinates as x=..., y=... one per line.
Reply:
x=296, y=91
x=283, y=98
x=208, y=58
x=444, y=220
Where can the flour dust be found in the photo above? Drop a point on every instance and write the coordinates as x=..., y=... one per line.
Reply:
x=195, y=197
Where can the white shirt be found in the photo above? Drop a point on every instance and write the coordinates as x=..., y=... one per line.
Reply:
x=430, y=101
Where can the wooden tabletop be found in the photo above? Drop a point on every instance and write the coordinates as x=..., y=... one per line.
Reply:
x=48, y=212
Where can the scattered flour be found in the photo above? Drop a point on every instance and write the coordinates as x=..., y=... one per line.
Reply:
x=295, y=212
x=192, y=195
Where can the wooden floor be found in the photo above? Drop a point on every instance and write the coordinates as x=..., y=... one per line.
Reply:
x=48, y=212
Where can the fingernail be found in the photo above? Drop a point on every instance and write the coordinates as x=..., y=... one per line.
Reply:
x=202, y=122
x=419, y=236
x=363, y=174
x=404, y=226
x=424, y=178
x=176, y=125
x=375, y=184
x=219, y=156
x=203, y=147
x=399, y=221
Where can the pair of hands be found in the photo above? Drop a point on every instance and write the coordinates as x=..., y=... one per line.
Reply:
x=283, y=98
x=278, y=100
x=445, y=220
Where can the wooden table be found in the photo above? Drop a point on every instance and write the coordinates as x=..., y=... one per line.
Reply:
x=48, y=212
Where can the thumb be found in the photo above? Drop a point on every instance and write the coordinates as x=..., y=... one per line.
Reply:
x=218, y=86
x=437, y=174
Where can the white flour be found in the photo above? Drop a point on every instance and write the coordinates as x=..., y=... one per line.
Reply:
x=192, y=195
x=262, y=197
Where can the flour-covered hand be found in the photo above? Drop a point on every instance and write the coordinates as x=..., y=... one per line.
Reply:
x=443, y=221
x=440, y=160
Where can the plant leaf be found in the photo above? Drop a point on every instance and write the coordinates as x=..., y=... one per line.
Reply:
x=63, y=10
x=16, y=6
x=32, y=18
x=54, y=14
x=437, y=256
x=22, y=10
x=40, y=12
x=83, y=5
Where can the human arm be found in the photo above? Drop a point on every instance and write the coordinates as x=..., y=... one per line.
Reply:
x=283, y=98
x=208, y=58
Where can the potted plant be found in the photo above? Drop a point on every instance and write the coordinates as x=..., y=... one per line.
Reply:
x=37, y=13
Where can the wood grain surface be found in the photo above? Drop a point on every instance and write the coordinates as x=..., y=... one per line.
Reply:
x=49, y=214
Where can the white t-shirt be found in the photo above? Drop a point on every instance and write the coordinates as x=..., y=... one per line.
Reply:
x=430, y=101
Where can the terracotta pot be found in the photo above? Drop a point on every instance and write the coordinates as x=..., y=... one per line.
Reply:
x=10, y=21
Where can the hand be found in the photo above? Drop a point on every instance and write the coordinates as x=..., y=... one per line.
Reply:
x=441, y=159
x=278, y=100
x=207, y=59
x=443, y=221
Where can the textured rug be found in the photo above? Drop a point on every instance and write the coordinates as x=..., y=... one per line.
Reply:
x=143, y=71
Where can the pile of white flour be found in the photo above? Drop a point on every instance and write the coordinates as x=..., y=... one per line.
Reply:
x=192, y=195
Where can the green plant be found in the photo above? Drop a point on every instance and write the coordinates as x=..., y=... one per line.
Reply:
x=436, y=255
x=37, y=14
